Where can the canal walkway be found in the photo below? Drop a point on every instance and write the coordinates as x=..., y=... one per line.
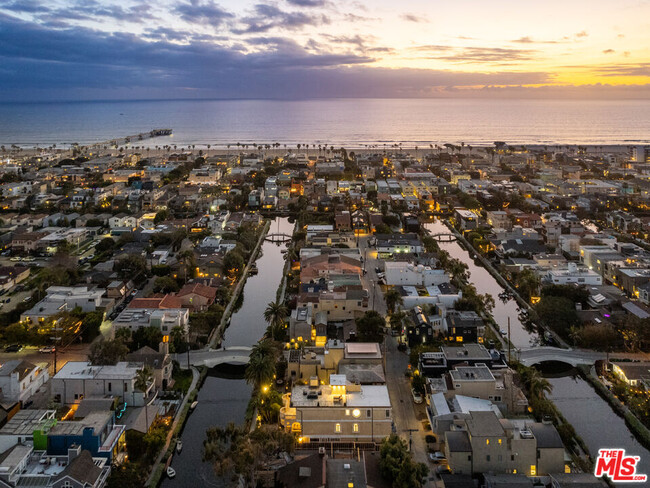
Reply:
x=217, y=333
x=181, y=412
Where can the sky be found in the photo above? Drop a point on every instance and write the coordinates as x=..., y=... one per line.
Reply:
x=296, y=49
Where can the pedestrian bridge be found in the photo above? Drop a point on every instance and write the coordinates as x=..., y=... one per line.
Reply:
x=574, y=357
x=444, y=237
x=236, y=355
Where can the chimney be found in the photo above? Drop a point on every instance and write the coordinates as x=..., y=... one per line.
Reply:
x=73, y=451
x=163, y=347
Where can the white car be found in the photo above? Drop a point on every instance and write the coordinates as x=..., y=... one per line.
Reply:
x=47, y=349
x=417, y=398
x=15, y=258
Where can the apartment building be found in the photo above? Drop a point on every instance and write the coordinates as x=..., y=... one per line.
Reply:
x=484, y=443
x=337, y=412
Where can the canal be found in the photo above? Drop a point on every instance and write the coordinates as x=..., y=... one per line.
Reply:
x=223, y=398
x=591, y=416
x=594, y=420
x=485, y=283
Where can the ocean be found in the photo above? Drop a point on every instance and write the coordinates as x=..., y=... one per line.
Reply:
x=354, y=123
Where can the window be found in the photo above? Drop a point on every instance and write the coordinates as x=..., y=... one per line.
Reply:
x=337, y=429
x=110, y=386
x=368, y=413
x=469, y=457
x=66, y=484
x=355, y=427
x=347, y=412
x=487, y=458
x=499, y=441
x=487, y=442
x=497, y=398
x=387, y=413
x=126, y=386
x=533, y=470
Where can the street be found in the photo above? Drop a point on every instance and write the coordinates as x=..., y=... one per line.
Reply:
x=408, y=417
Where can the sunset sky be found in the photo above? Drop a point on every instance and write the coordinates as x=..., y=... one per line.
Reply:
x=122, y=49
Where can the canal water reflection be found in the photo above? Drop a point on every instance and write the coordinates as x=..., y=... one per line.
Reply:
x=485, y=283
x=595, y=421
x=224, y=399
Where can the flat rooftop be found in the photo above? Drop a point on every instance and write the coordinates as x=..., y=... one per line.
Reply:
x=328, y=396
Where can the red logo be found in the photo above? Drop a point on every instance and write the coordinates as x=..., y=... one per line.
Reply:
x=617, y=466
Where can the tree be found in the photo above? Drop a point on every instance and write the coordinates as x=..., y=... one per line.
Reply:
x=165, y=284
x=126, y=475
x=90, y=325
x=397, y=466
x=370, y=327
x=146, y=336
x=233, y=264
x=161, y=217
x=535, y=383
x=261, y=364
x=143, y=378
x=237, y=453
x=131, y=266
x=527, y=283
x=108, y=352
x=105, y=245
x=393, y=298
x=275, y=315
x=558, y=313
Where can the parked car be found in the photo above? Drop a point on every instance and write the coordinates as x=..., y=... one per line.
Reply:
x=47, y=350
x=14, y=348
x=437, y=456
x=27, y=299
x=29, y=259
x=15, y=258
x=417, y=398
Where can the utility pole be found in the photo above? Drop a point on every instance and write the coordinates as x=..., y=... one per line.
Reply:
x=56, y=339
x=410, y=431
x=509, y=343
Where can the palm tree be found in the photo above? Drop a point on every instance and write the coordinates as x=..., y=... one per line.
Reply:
x=274, y=315
x=261, y=364
x=536, y=383
x=393, y=298
x=143, y=379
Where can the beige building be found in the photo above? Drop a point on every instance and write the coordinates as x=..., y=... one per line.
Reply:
x=480, y=382
x=362, y=362
x=484, y=443
x=337, y=412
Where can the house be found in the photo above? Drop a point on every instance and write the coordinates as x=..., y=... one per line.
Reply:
x=77, y=380
x=484, y=443
x=12, y=275
x=572, y=274
x=64, y=298
x=402, y=273
x=165, y=319
x=338, y=411
x=20, y=379
x=81, y=471
x=467, y=220
x=197, y=296
x=464, y=326
x=633, y=374
x=159, y=361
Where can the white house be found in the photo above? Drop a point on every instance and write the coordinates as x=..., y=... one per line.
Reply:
x=62, y=299
x=573, y=274
x=165, y=319
x=80, y=379
x=20, y=379
x=401, y=273
x=123, y=220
